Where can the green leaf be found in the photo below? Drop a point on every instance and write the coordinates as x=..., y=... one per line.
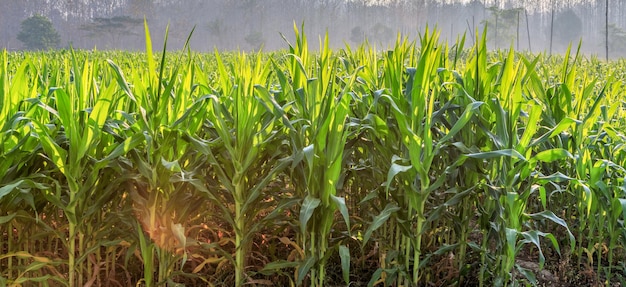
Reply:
x=511, y=242
x=272, y=267
x=127, y=145
x=528, y=274
x=306, y=211
x=532, y=236
x=309, y=152
x=552, y=155
x=394, y=170
x=7, y=218
x=379, y=220
x=555, y=177
x=304, y=267
x=171, y=165
x=531, y=126
x=549, y=215
x=616, y=209
x=375, y=277
x=57, y=155
x=563, y=125
x=36, y=266
x=9, y=188
x=340, y=202
x=623, y=203
x=462, y=121
x=498, y=153
x=344, y=254
x=377, y=124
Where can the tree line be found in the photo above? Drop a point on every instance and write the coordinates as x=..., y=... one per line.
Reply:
x=251, y=24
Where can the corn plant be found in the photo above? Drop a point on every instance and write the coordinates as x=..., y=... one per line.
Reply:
x=163, y=175
x=79, y=112
x=318, y=134
x=511, y=183
x=21, y=176
x=246, y=155
x=413, y=109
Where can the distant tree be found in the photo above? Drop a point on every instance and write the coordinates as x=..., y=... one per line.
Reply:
x=568, y=27
x=502, y=25
x=114, y=27
x=382, y=33
x=217, y=29
x=141, y=8
x=255, y=40
x=357, y=35
x=616, y=40
x=37, y=33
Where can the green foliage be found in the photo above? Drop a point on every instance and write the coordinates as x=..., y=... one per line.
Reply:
x=37, y=33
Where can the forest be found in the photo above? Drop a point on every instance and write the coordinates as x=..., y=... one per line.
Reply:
x=530, y=25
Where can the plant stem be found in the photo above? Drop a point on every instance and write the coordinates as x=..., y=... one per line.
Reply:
x=418, y=242
x=239, y=228
x=10, y=247
x=72, y=234
x=71, y=255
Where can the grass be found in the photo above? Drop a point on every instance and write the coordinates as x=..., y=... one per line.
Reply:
x=419, y=164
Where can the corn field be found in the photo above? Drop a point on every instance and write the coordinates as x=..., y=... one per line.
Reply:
x=420, y=165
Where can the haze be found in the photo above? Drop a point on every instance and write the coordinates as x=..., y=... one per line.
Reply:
x=536, y=25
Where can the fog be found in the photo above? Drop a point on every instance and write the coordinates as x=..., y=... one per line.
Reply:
x=535, y=25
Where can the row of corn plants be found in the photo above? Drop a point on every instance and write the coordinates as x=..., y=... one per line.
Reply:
x=420, y=164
